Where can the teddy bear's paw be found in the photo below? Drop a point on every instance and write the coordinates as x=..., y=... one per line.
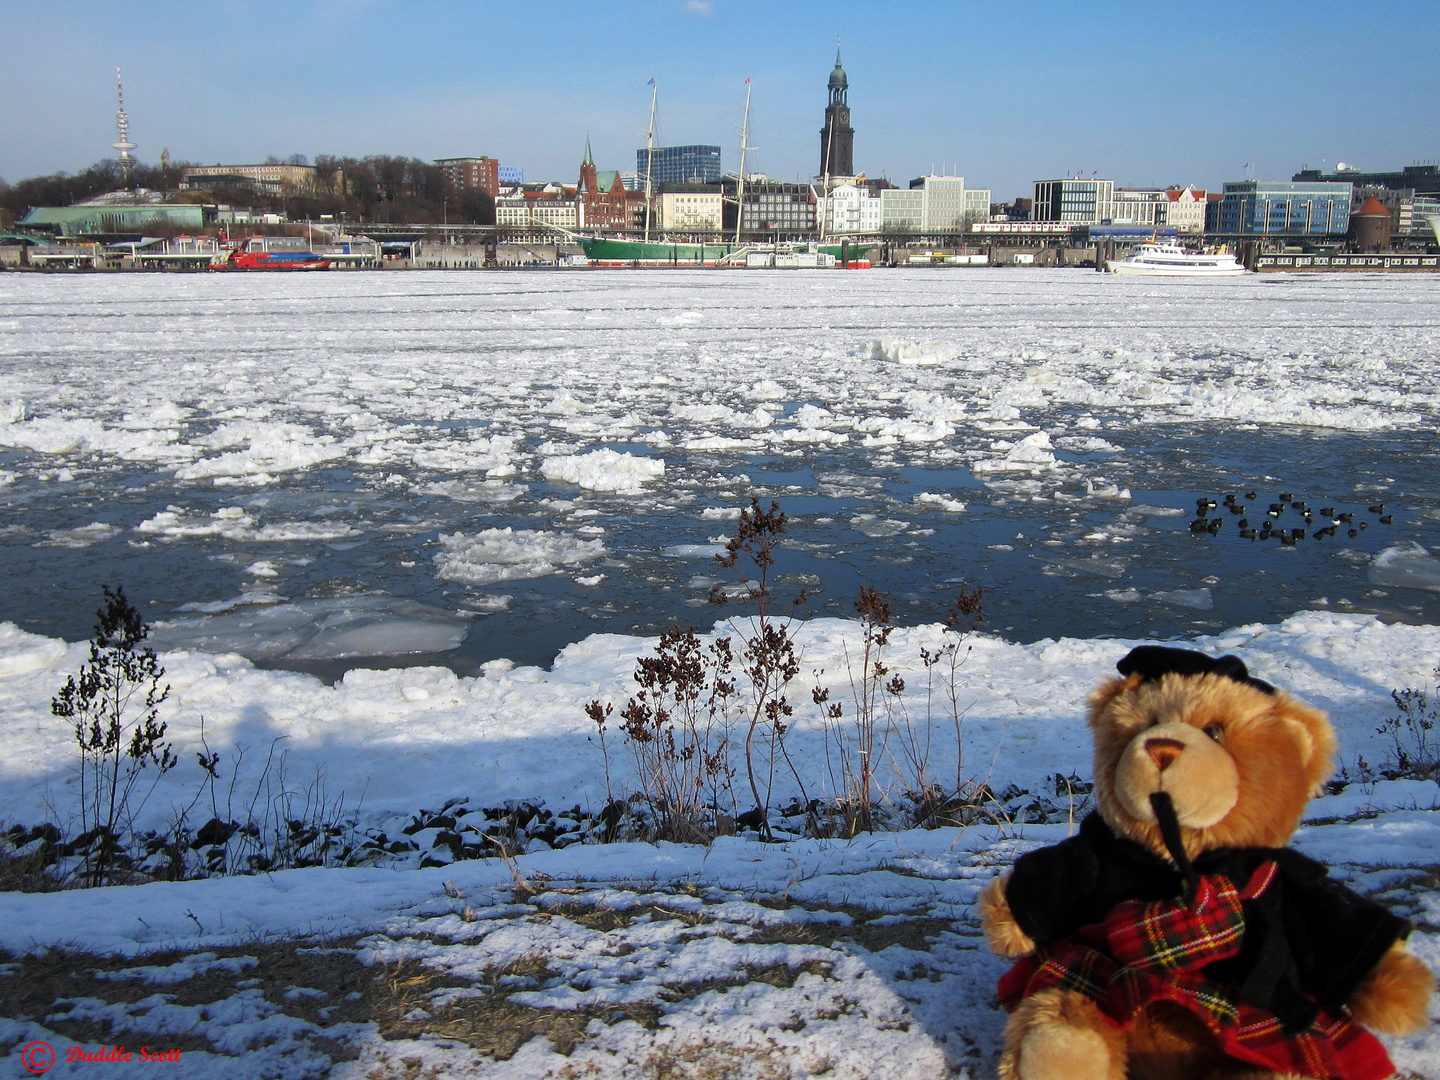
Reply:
x=1394, y=998
x=1060, y=1035
x=1002, y=932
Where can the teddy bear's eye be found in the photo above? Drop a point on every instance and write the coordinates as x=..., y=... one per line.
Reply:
x=1214, y=731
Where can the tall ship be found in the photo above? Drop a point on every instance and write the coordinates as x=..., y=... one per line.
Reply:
x=276, y=253
x=607, y=251
x=1165, y=258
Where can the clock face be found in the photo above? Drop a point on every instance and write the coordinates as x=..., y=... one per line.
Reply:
x=845, y=117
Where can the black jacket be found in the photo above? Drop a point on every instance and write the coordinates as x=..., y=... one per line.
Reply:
x=1306, y=938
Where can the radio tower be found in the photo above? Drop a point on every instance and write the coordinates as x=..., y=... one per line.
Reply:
x=122, y=124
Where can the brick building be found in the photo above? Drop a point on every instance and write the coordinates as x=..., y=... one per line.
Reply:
x=604, y=201
x=472, y=174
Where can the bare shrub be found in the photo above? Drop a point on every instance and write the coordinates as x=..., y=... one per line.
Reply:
x=113, y=705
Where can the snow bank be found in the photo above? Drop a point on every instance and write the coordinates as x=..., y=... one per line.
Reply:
x=412, y=736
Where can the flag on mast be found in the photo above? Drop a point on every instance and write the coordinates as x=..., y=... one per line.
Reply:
x=652, y=82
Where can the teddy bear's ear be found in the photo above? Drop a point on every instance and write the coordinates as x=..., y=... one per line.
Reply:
x=1108, y=691
x=1319, y=744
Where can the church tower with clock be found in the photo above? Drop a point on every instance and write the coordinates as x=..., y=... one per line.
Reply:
x=837, y=137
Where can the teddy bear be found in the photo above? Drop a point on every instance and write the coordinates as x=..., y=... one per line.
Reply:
x=1175, y=936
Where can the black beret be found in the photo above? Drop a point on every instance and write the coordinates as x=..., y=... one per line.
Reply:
x=1150, y=662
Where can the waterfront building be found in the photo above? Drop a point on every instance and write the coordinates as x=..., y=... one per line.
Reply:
x=472, y=174
x=1140, y=207
x=784, y=211
x=1276, y=208
x=697, y=164
x=119, y=212
x=850, y=208
x=692, y=208
x=1186, y=209
x=538, y=205
x=270, y=179
x=604, y=201
x=933, y=204
x=837, y=137
x=1421, y=179
x=1074, y=201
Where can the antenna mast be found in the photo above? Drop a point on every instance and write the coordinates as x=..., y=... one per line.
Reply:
x=122, y=124
x=740, y=181
x=650, y=158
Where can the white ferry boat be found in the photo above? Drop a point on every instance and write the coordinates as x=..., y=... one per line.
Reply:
x=1165, y=258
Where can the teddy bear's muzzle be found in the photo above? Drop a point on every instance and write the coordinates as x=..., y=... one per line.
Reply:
x=1195, y=771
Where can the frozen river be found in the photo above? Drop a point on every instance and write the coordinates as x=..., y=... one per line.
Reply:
x=333, y=470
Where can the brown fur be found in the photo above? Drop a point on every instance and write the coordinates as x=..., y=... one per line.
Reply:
x=1001, y=930
x=1245, y=787
x=1070, y=1022
x=1394, y=996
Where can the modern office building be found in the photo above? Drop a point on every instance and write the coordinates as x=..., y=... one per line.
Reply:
x=783, y=211
x=1141, y=207
x=1422, y=179
x=511, y=175
x=1074, y=201
x=1276, y=208
x=933, y=204
x=837, y=137
x=472, y=174
x=698, y=164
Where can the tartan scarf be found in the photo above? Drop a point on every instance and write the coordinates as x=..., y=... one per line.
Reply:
x=1151, y=950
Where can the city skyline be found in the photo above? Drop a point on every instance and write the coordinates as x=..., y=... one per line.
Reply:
x=1143, y=94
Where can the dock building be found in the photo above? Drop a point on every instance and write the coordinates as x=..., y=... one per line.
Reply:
x=1278, y=208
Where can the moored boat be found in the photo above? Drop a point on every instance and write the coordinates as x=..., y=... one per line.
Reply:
x=276, y=253
x=1165, y=258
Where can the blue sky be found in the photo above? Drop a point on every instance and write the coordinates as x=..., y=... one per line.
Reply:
x=1002, y=93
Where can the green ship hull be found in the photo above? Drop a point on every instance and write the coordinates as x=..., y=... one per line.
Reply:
x=603, y=251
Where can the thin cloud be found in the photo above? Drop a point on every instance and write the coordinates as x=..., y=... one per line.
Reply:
x=698, y=7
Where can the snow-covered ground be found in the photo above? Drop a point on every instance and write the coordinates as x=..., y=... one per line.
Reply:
x=350, y=466
x=857, y=959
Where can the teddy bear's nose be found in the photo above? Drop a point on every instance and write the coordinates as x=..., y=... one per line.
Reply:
x=1163, y=751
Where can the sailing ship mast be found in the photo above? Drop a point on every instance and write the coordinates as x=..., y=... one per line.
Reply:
x=650, y=158
x=740, y=181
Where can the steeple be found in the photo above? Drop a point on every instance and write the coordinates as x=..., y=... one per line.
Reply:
x=588, y=159
x=837, y=137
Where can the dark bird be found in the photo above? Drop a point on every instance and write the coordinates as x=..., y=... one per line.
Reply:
x=1288, y=541
x=1387, y=519
x=1199, y=525
x=1275, y=508
x=1214, y=526
x=1236, y=508
x=1354, y=532
x=1378, y=508
x=1297, y=534
x=1345, y=519
x=1243, y=523
x=1327, y=511
x=1272, y=513
x=1285, y=496
x=1250, y=496
x=1247, y=534
x=1299, y=506
x=1364, y=524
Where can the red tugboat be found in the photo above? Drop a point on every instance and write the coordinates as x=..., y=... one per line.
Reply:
x=276, y=253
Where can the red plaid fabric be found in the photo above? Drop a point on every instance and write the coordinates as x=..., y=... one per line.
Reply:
x=1147, y=952
x=1172, y=936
